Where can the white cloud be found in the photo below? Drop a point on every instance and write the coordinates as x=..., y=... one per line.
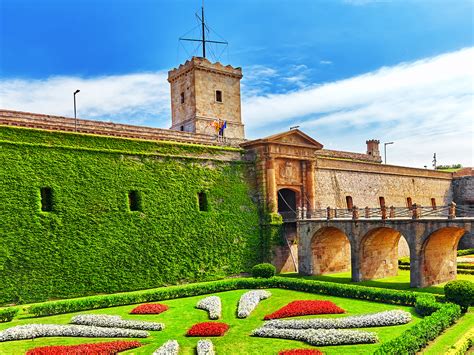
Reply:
x=426, y=106
x=132, y=98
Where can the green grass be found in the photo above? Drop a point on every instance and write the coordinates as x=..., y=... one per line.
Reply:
x=183, y=314
x=451, y=335
x=399, y=282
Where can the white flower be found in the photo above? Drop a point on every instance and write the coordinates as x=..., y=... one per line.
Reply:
x=211, y=304
x=380, y=319
x=171, y=347
x=319, y=337
x=32, y=331
x=105, y=320
x=249, y=301
x=205, y=347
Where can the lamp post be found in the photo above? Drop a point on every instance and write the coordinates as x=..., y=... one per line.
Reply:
x=75, y=117
x=385, y=150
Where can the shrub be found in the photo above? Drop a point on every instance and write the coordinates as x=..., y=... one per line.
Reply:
x=171, y=347
x=304, y=308
x=205, y=347
x=264, y=270
x=460, y=292
x=149, y=308
x=462, y=345
x=208, y=329
x=107, y=348
x=426, y=304
x=7, y=314
x=109, y=321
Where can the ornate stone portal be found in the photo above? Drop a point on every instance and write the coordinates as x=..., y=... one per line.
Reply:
x=285, y=175
x=286, y=161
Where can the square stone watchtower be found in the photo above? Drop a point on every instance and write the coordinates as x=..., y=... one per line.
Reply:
x=202, y=92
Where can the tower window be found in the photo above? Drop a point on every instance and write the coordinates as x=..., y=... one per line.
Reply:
x=349, y=203
x=218, y=96
x=134, y=201
x=433, y=203
x=181, y=128
x=182, y=97
x=382, y=201
x=46, y=199
x=409, y=203
x=202, y=199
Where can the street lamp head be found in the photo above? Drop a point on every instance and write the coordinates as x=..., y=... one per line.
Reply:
x=389, y=143
x=75, y=92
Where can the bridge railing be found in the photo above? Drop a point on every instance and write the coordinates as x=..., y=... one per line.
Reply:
x=450, y=211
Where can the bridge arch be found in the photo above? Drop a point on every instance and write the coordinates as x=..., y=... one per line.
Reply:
x=330, y=251
x=438, y=255
x=378, y=253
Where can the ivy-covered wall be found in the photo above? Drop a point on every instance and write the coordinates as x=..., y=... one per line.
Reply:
x=91, y=242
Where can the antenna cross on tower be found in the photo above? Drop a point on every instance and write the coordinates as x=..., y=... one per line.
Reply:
x=203, y=39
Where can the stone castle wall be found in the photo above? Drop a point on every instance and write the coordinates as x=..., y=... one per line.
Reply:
x=365, y=183
x=60, y=123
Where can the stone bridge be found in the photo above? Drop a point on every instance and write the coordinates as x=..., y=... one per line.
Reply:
x=370, y=247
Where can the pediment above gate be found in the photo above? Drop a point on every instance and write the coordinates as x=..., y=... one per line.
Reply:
x=293, y=143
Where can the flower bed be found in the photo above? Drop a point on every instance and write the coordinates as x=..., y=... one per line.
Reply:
x=105, y=320
x=211, y=304
x=208, y=329
x=32, y=331
x=300, y=352
x=304, y=308
x=171, y=347
x=379, y=319
x=150, y=308
x=107, y=348
x=205, y=347
x=320, y=337
x=249, y=301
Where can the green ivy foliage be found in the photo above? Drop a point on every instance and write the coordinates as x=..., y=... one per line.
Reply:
x=91, y=242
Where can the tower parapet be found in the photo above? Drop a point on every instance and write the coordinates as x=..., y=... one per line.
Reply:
x=203, y=92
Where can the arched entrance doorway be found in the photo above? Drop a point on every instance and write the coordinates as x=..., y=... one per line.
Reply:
x=287, y=203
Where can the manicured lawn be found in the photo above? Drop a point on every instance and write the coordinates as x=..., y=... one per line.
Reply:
x=451, y=335
x=399, y=282
x=183, y=314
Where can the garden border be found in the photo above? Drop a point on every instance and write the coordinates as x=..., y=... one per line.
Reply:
x=438, y=316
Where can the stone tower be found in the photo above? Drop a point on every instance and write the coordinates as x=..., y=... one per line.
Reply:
x=202, y=92
x=373, y=148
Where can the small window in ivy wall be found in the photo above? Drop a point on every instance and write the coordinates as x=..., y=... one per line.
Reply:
x=134, y=200
x=46, y=199
x=202, y=199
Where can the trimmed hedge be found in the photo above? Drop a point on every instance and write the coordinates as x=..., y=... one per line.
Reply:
x=462, y=345
x=92, y=242
x=264, y=270
x=465, y=252
x=7, y=314
x=460, y=292
x=321, y=287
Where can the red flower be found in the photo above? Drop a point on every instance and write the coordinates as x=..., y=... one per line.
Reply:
x=300, y=352
x=208, y=329
x=107, y=348
x=149, y=308
x=303, y=308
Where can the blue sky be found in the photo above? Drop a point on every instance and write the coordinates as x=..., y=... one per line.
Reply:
x=336, y=66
